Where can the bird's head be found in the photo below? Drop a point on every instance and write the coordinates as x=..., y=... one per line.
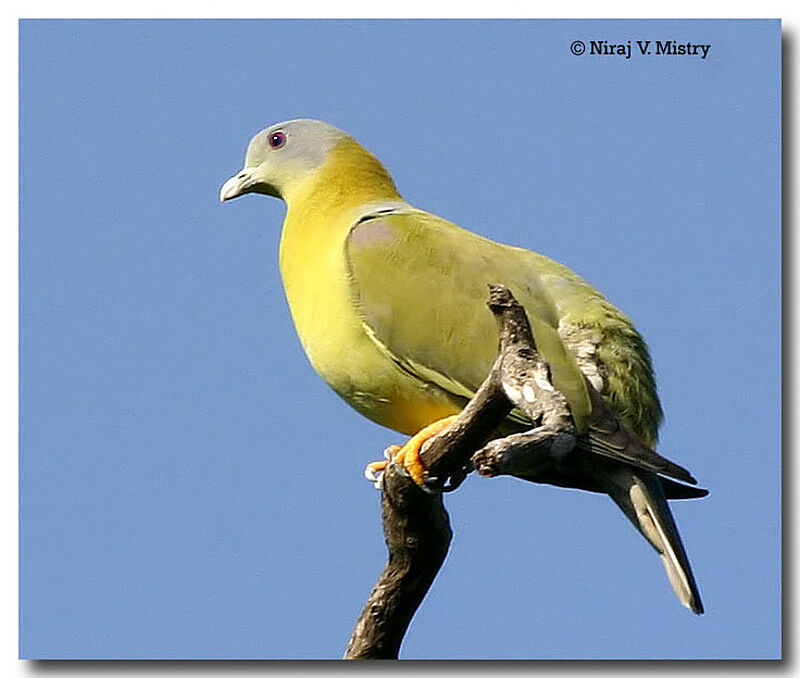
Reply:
x=281, y=157
x=286, y=158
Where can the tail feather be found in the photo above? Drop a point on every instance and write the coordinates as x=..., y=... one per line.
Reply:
x=673, y=490
x=641, y=497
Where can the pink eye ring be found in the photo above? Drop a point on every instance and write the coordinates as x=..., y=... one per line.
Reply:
x=276, y=139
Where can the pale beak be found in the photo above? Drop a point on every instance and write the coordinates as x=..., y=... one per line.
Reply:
x=237, y=185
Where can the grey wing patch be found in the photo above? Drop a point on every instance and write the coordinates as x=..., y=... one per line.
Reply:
x=582, y=342
x=379, y=233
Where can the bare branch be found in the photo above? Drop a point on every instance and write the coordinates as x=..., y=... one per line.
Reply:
x=418, y=535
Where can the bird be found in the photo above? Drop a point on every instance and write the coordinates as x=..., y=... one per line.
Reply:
x=388, y=301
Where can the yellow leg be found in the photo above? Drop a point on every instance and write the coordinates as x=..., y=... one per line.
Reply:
x=408, y=456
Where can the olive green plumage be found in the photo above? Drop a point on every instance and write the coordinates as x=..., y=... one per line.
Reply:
x=625, y=366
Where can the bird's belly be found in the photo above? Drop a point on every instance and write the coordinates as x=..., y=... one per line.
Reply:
x=370, y=382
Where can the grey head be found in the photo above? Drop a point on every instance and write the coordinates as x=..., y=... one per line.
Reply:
x=281, y=156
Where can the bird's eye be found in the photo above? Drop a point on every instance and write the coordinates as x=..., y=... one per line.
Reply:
x=276, y=139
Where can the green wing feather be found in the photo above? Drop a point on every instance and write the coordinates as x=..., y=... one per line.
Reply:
x=420, y=284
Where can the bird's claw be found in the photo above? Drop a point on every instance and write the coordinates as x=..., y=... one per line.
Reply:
x=374, y=474
x=374, y=471
x=407, y=459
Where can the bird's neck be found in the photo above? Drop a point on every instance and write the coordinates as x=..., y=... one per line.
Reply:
x=320, y=214
x=350, y=177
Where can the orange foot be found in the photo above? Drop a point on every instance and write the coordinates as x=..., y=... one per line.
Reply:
x=408, y=456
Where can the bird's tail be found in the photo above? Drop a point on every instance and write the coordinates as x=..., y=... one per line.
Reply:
x=640, y=496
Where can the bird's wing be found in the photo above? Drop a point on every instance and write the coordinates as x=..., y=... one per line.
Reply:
x=608, y=438
x=420, y=284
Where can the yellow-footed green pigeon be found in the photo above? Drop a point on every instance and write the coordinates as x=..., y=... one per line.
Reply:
x=389, y=302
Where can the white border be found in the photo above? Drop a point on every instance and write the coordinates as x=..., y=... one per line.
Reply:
x=9, y=664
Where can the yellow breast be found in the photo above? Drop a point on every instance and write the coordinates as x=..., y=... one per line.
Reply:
x=330, y=328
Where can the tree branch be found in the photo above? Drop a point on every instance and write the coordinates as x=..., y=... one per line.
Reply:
x=415, y=523
x=418, y=534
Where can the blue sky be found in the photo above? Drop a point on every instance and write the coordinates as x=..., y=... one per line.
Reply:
x=190, y=488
